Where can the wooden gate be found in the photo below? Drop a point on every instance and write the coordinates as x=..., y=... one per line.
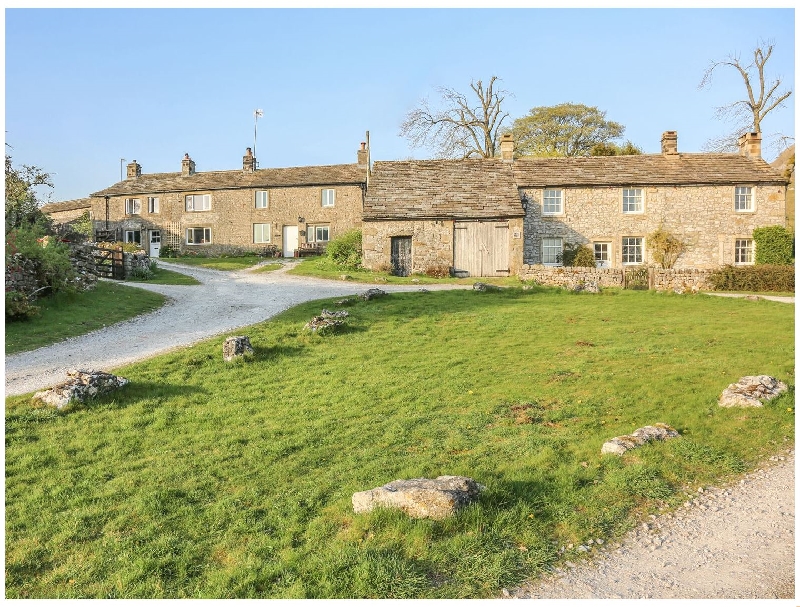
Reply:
x=636, y=278
x=110, y=263
x=401, y=255
x=480, y=248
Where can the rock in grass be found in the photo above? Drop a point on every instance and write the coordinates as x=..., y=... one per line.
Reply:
x=482, y=286
x=372, y=294
x=620, y=444
x=236, y=347
x=421, y=497
x=751, y=390
x=81, y=387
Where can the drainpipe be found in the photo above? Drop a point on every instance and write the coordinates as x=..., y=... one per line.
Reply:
x=106, y=211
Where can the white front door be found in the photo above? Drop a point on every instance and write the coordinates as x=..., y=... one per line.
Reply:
x=602, y=254
x=290, y=240
x=155, y=243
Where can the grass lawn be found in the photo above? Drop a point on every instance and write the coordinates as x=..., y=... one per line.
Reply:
x=321, y=267
x=269, y=267
x=162, y=276
x=218, y=263
x=70, y=314
x=205, y=479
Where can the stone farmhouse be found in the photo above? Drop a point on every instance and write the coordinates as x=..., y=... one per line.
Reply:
x=290, y=208
x=477, y=217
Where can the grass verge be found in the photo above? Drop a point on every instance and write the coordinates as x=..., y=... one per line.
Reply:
x=218, y=263
x=205, y=479
x=71, y=314
x=321, y=267
x=163, y=276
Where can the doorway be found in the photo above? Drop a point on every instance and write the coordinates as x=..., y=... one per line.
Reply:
x=290, y=240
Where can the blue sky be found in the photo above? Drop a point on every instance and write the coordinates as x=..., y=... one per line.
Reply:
x=86, y=87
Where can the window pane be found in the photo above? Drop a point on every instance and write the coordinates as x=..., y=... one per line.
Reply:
x=551, y=203
x=632, y=250
x=551, y=250
x=632, y=200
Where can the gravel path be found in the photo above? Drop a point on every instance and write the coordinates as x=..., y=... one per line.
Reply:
x=224, y=302
x=724, y=543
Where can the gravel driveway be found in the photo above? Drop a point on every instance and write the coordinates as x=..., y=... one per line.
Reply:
x=224, y=302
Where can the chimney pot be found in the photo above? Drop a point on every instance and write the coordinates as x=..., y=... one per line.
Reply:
x=187, y=165
x=249, y=161
x=507, y=146
x=134, y=170
x=750, y=145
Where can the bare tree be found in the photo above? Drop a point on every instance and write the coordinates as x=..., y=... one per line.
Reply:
x=463, y=126
x=762, y=96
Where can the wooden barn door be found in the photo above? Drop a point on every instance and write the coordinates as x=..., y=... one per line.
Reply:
x=481, y=248
x=401, y=255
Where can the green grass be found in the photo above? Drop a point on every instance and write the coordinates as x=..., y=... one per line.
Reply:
x=269, y=267
x=162, y=276
x=205, y=479
x=71, y=314
x=321, y=267
x=218, y=263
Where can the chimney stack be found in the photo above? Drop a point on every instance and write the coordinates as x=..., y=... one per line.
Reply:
x=187, y=165
x=669, y=143
x=507, y=147
x=134, y=170
x=363, y=155
x=750, y=145
x=249, y=161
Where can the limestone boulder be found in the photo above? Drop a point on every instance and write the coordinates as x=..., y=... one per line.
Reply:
x=435, y=498
x=482, y=286
x=751, y=391
x=620, y=444
x=372, y=294
x=81, y=386
x=236, y=346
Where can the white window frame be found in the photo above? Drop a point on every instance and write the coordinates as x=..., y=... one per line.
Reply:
x=153, y=204
x=262, y=199
x=198, y=202
x=549, y=244
x=133, y=206
x=550, y=195
x=631, y=193
x=744, y=247
x=636, y=246
x=190, y=236
x=258, y=233
x=130, y=236
x=313, y=233
x=328, y=197
x=744, y=199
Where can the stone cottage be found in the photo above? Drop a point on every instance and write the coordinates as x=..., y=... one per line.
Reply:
x=433, y=215
x=712, y=202
x=248, y=208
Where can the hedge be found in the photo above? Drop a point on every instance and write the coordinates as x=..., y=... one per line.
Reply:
x=774, y=245
x=768, y=277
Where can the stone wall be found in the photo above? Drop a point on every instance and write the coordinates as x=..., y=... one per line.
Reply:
x=679, y=280
x=702, y=216
x=431, y=243
x=21, y=274
x=233, y=214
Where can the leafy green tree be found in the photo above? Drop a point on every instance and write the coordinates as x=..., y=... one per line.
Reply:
x=567, y=129
x=612, y=149
x=462, y=125
x=22, y=204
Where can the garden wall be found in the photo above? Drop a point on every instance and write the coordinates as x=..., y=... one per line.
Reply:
x=658, y=279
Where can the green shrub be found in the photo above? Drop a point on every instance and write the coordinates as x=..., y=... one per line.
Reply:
x=51, y=257
x=145, y=272
x=578, y=256
x=774, y=245
x=19, y=307
x=753, y=278
x=665, y=247
x=345, y=252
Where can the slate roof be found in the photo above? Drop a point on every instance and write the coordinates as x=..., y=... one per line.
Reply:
x=154, y=183
x=67, y=205
x=442, y=189
x=645, y=169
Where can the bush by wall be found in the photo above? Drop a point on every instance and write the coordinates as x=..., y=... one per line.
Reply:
x=579, y=256
x=753, y=278
x=774, y=245
x=345, y=251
